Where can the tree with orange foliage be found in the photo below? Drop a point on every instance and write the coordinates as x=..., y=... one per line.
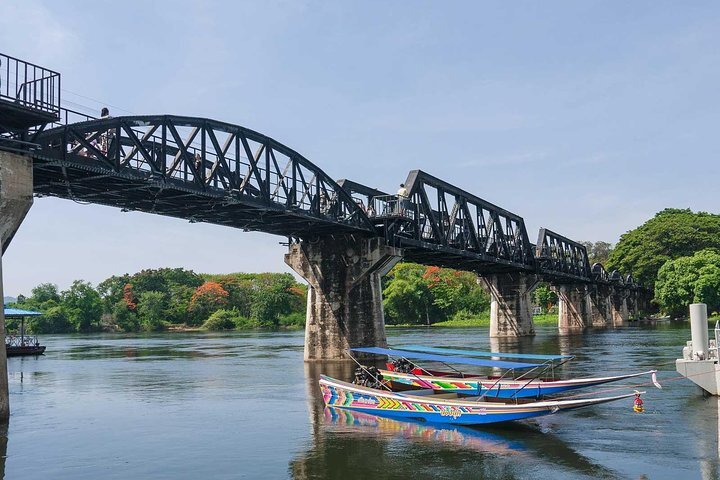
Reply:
x=207, y=299
x=129, y=297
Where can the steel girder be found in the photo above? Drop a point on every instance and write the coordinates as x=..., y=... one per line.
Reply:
x=443, y=222
x=561, y=259
x=193, y=168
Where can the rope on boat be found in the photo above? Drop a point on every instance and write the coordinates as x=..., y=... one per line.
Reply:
x=634, y=386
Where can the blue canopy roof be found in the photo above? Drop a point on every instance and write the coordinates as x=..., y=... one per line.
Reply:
x=17, y=312
x=477, y=353
x=445, y=358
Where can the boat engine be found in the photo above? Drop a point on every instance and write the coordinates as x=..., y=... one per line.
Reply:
x=403, y=365
x=368, y=377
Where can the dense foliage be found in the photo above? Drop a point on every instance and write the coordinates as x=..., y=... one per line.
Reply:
x=671, y=234
x=153, y=300
x=416, y=294
x=688, y=280
x=598, y=252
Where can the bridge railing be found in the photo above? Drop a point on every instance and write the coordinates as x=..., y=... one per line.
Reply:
x=29, y=85
x=391, y=207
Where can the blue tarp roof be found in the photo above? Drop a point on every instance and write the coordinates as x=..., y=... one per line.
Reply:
x=478, y=353
x=17, y=312
x=445, y=358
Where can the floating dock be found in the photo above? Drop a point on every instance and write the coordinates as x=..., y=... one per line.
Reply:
x=699, y=363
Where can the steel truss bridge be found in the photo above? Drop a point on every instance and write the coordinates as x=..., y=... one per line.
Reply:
x=204, y=170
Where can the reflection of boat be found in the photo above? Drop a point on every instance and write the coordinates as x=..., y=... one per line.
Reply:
x=452, y=435
x=21, y=344
x=430, y=406
x=504, y=386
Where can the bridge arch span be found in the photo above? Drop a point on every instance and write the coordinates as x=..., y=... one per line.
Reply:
x=193, y=168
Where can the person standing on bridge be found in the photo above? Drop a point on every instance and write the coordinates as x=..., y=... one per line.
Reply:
x=402, y=201
x=106, y=137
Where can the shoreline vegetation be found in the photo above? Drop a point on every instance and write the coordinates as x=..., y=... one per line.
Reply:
x=178, y=300
x=482, y=320
x=677, y=252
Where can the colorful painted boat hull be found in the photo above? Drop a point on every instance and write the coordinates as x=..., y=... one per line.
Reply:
x=503, y=388
x=459, y=412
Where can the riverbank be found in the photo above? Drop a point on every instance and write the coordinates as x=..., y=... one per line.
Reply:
x=480, y=321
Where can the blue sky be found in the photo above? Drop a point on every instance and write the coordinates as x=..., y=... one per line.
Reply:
x=582, y=117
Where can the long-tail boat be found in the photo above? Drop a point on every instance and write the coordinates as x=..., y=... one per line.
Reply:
x=432, y=406
x=517, y=380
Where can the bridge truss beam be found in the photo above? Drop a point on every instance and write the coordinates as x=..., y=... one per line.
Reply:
x=196, y=169
x=561, y=260
x=444, y=225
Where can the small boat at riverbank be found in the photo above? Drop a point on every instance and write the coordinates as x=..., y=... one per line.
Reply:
x=403, y=374
x=18, y=347
x=431, y=406
x=20, y=344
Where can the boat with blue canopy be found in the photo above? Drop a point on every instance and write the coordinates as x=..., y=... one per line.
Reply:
x=510, y=380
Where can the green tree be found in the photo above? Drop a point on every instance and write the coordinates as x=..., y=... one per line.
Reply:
x=222, y=320
x=454, y=291
x=407, y=297
x=125, y=318
x=83, y=306
x=159, y=280
x=687, y=280
x=112, y=290
x=274, y=298
x=46, y=293
x=598, y=252
x=54, y=320
x=178, y=304
x=42, y=297
x=151, y=306
x=544, y=297
x=671, y=234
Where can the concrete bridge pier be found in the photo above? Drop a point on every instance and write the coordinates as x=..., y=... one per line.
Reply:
x=600, y=306
x=344, y=306
x=631, y=302
x=634, y=304
x=573, y=316
x=16, y=197
x=619, y=307
x=510, y=303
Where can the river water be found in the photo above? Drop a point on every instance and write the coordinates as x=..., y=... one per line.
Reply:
x=244, y=405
